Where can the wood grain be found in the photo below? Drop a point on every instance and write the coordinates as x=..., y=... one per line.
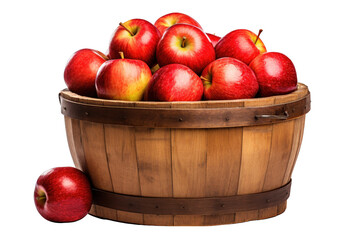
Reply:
x=189, y=168
x=223, y=160
x=153, y=149
x=256, y=146
x=123, y=167
x=93, y=142
x=73, y=133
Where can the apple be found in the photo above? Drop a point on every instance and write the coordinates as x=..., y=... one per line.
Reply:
x=213, y=38
x=170, y=19
x=228, y=78
x=63, y=194
x=185, y=44
x=275, y=73
x=174, y=82
x=80, y=71
x=122, y=79
x=137, y=39
x=241, y=44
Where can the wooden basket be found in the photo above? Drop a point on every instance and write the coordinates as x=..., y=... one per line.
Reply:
x=187, y=163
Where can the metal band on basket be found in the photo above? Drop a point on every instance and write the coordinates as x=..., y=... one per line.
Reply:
x=191, y=206
x=186, y=118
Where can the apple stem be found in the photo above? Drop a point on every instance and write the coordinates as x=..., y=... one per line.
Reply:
x=127, y=29
x=40, y=198
x=183, y=42
x=257, y=37
x=204, y=78
x=122, y=55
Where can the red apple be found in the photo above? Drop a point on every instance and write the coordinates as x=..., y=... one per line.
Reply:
x=213, y=38
x=185, y=44
x=174, y=82
x=228, y=78
x=63, y=194
x=122, y=79
x=170, y=19
x=275, y=73
x=241, y=44
x=137, y=39
x=80, y=71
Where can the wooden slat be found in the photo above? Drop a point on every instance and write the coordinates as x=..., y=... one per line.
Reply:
x=155, y=171
x=121, y=156
x=281, y=147
x=281, y=144
x=222, y=169
x=73, y=134
x=189, y=168
x=223, y=162
x=93, y=142
x=255, y=156
x=296, y=142
x=302, y=125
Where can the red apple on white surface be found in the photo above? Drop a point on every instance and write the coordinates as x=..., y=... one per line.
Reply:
x=241, y=44
x=275, y=73
x=170, y=19
x=185, y=44
x=228, y=78
x=174, y=82
x=213, y=38
x=122, y=79
x=137, y=39
x=63, y=194
x=80, y=71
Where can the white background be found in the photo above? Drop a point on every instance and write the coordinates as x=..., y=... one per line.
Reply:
x=321, y=37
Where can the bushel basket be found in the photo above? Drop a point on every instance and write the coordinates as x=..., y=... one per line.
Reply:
x=187, y=163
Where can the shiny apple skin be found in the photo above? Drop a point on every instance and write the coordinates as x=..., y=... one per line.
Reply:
x=122, y=79
x=68, y=194
x=213, y=38
x=81, y=69
x=229, y=78
x=170, y=19
x=240, y=44
x=141, y=46
x=276, y=74
x=197, y=53
x=174, y=82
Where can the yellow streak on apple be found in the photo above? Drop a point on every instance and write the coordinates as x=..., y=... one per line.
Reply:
x=171, y=21
x=257, y=41
x=135, y=91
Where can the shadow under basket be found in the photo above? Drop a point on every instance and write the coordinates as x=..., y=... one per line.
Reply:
x=187, y=163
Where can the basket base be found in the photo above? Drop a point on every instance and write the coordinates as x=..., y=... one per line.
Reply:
x=186, y=220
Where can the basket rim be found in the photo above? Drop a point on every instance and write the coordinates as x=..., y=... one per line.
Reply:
x=237, y=113
x=300, y=92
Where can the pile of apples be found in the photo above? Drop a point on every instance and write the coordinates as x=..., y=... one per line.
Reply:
x=175, y=60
